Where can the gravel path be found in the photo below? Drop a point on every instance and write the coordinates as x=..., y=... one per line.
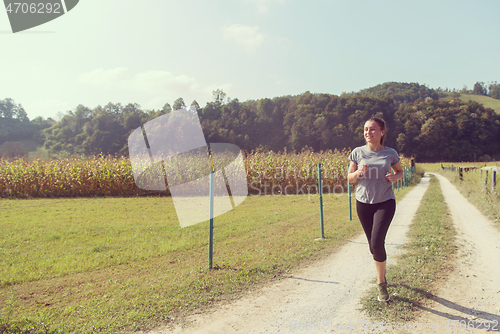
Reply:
x=470, y=299
x=325, y=294
x=324, y=297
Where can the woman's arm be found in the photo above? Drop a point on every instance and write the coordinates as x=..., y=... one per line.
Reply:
x=393, y=177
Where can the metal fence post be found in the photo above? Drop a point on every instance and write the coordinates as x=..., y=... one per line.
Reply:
x=211, y=225
x=493, y=181
x=320, y=192
x=349, y=195
x=404, y=176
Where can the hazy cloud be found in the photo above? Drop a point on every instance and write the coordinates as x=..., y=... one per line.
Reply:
x=105, y=78
x=248, y=37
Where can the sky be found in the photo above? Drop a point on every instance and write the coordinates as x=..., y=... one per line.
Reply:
x=152, y=52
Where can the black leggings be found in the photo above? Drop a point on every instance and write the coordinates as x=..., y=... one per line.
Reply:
x=375, y=219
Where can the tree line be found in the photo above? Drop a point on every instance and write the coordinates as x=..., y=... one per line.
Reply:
x=480, y=88
x=420, y=123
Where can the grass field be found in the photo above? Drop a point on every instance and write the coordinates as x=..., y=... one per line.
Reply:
x=110, y=264
x=487, y=101
x=38, y=153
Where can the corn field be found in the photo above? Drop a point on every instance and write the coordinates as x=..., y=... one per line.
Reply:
x=267, y=172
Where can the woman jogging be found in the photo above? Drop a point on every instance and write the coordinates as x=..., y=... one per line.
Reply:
x=375, y=201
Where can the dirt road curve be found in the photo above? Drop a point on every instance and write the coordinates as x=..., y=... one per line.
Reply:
x=327, y=293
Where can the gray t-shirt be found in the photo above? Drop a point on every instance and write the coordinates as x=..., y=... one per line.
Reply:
x=373, y=186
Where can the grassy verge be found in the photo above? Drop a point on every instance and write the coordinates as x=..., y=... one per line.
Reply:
x=481, y=194
x=110, y=264
x=473, y=186
x=424, y=265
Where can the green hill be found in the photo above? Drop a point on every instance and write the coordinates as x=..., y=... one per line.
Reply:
x=401, y=92
x=486, y=101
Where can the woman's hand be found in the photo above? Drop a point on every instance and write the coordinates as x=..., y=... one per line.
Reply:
x=356, y=171
x=391, y=177
x=362, y=168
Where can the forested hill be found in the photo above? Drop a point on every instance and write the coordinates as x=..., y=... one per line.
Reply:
x=401, y=92
x=420, y=124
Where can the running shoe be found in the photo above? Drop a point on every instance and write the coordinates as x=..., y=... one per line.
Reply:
x=383, y=295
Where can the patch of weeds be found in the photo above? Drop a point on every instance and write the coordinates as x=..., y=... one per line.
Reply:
x=27, y=327
x=100, y=249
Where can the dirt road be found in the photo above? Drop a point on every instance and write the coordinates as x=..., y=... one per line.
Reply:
x=325, y=295
x=470, y=299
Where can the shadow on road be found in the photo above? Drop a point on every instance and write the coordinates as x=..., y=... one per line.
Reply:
x=493, y=319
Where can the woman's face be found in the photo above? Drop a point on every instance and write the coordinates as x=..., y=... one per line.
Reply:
x=373, y=133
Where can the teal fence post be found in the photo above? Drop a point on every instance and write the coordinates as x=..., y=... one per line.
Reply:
x=211, y=226
x=404, y=176
x=320, y=192
x=350, y=205
x=349, y=195
x=493, y=180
